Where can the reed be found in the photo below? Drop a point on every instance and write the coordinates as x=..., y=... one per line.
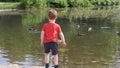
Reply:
x=86, y=13
x=71, y=14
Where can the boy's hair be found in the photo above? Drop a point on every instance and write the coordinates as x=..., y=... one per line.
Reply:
x=52, y=14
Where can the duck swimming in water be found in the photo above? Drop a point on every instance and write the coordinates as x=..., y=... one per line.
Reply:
x=32, y=30
x=89, y=29
x=80, y=34
x=118, y=33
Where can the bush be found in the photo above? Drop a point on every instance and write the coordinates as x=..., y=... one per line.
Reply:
x=9, y=0
x=35, y=3
x=74, y=3
x=86, y=3
x=57, y=3
x=105, y=2
x=68, y=3
x=39, y=3
x=83, y=3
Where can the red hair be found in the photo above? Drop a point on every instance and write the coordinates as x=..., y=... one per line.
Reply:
x=52, y=14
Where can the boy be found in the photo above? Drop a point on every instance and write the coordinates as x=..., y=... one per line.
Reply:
x=49, y=38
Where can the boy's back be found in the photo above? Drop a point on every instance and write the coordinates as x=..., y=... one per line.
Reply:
x=51, y=31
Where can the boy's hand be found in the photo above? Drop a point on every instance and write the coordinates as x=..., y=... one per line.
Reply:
x=42, y=44
x=64, y=43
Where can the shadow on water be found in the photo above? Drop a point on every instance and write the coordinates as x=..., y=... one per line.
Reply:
x=90, y=34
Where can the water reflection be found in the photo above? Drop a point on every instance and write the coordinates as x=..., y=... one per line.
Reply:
x=16, y=42
x=92, y=42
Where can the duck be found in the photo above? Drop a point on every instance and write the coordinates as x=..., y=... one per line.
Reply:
x=118, y=33
x=78, y=26
x=31, y=29
x=89, y=29
x=80, y=34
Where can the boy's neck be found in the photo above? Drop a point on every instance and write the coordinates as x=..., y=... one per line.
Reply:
x=52, y=21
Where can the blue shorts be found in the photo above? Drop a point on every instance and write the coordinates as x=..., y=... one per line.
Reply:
x=53, y=46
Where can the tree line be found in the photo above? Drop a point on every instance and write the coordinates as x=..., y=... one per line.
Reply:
x=9, y=0
x=64, y=3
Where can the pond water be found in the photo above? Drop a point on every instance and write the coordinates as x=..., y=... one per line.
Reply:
x=92, y=38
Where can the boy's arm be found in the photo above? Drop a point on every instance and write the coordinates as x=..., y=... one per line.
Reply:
x=62, y=38
x=42, y=37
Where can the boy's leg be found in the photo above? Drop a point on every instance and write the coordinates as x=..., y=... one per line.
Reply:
x=46, y=60
x=46, y=55
x=56, y=60
x=47, y=65
x=55, y=53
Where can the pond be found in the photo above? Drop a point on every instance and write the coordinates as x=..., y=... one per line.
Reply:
x=92, y=38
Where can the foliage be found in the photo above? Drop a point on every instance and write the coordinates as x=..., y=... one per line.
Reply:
x=9, y=5
x=86, y=3
x=35, y=3
x=105, y=2
x=69, y=3
x=64, y=3
x=39, y=3
x=9, y=0
x=57, y=3
x=74, y=3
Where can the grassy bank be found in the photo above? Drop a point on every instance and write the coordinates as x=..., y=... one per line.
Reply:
x=8, y=5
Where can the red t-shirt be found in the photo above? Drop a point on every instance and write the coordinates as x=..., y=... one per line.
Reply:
x=51, y=31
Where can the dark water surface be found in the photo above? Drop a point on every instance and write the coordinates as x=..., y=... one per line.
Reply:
x=92, y=42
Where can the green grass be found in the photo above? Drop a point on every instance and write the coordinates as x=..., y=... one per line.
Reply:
x=7, y=5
